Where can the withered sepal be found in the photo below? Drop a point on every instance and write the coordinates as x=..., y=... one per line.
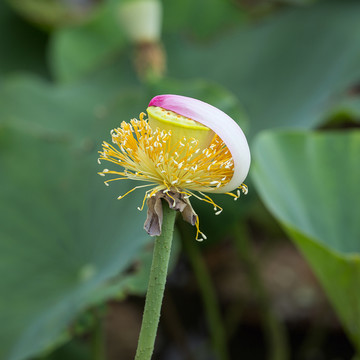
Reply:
x=176, y=201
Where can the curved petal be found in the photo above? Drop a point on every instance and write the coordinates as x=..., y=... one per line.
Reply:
x=223, y=125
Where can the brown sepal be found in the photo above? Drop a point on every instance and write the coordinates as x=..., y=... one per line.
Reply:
x=176, y=201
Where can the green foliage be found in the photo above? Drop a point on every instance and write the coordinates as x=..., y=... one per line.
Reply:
x=310, y=182
x=76, y=51
x=286, y=68
x=343, y=113
x=79, y=50
x=64, y=239
x=203, y=18
x=61, y=228
x=17, y=54
x=52, y=13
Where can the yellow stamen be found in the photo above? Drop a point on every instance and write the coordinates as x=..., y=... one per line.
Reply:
x=152, y=155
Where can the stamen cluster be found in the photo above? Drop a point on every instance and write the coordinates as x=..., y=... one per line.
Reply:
x=149, y=155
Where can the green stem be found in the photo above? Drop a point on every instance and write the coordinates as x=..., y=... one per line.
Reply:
x=156, y=286
x=275, y=332
x=208, y=294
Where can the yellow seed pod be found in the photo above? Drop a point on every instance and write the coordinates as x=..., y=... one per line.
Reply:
x=179, y=126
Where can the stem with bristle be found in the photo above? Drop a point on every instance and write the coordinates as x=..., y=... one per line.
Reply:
x=156, y=286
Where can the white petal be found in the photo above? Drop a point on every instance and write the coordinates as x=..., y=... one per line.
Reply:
x=223, y=125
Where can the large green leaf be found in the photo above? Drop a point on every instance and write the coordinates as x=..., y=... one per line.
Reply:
x=215, y=16
x=62, y=232
x=76, y=51
x=310, y=182
x=286, y=68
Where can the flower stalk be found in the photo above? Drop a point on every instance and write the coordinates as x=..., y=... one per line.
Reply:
x=156, y=287
x=141, y=20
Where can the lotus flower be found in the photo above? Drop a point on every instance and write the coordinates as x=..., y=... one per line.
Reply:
x=185, y=148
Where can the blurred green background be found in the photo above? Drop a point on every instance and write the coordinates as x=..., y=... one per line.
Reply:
x=278, y=277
